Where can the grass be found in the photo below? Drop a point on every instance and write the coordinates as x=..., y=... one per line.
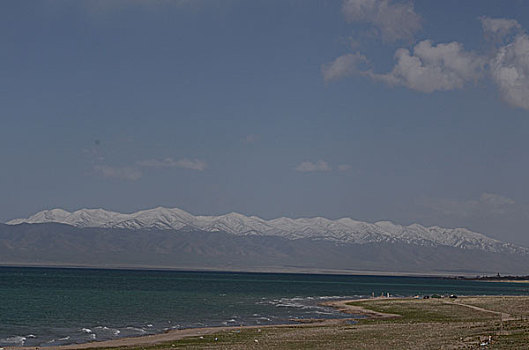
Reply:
x=424, y=324
x=421, y=310
x=513, y=305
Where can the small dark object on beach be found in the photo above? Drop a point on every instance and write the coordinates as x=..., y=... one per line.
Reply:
x=426, y=297
x=453, y=296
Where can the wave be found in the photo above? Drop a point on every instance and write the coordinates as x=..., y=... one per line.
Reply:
x=16, y=340
x=287, y=308
x=139, y=330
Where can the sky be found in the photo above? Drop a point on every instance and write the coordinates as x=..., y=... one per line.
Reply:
x=414, y=112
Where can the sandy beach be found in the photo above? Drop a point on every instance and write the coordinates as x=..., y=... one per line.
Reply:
x=173, y=335
x=506, y=281
x=343, y=306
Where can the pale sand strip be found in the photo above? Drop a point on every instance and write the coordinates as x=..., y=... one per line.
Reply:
x=178, y=334
x=172, y=335
x=342, y=305
x=506, y=281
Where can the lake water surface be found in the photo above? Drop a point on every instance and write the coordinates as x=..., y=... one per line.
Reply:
x=48, y=306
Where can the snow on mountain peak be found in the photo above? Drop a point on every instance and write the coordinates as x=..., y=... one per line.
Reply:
x=344, y=230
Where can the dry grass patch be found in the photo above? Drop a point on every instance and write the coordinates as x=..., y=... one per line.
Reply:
x=517, y=306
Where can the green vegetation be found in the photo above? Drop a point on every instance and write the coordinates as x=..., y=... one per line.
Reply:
x=420, y=311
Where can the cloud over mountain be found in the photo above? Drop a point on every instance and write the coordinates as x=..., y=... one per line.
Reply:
x=393, y=20
x=510, y=71
x=307, y=167
x=185, y=163
x=487, y=204
x=116, y=172
x=343, y=66
x=499, y=27
x=430, y=68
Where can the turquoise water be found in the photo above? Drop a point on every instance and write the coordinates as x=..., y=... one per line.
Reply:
x=44, y=306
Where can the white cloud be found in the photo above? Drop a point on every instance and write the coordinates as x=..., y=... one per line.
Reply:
x=307, y=166
x=122, y=173
x=433, y=67
x=193, y=164
x=249, y=139
x=499, y=27
x=486, y=204
x=394, y=21
x=343, y=66
x=133, y=173
x=429, y=67
x=103, y=7
x=496, y=200
x=510, y=71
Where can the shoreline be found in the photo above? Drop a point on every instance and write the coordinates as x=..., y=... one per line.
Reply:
x=506, y=281
x=178, y=334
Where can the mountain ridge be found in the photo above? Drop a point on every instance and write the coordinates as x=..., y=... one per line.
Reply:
x=62, y=245
x=343, y=230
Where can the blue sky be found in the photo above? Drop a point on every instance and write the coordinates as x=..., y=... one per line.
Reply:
x=370, y=109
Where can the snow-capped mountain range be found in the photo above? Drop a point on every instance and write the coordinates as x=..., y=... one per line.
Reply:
x=343, y=230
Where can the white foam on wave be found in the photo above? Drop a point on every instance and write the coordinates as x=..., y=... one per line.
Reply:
x=139, y=330
x=60, y=339
x=300, y=298
x=290, y=302
x=331, y=297
x=115, y=332
x=17, y=339
x=264, y=318
x=307, y=305
x=323, y=313
x=86, y=330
